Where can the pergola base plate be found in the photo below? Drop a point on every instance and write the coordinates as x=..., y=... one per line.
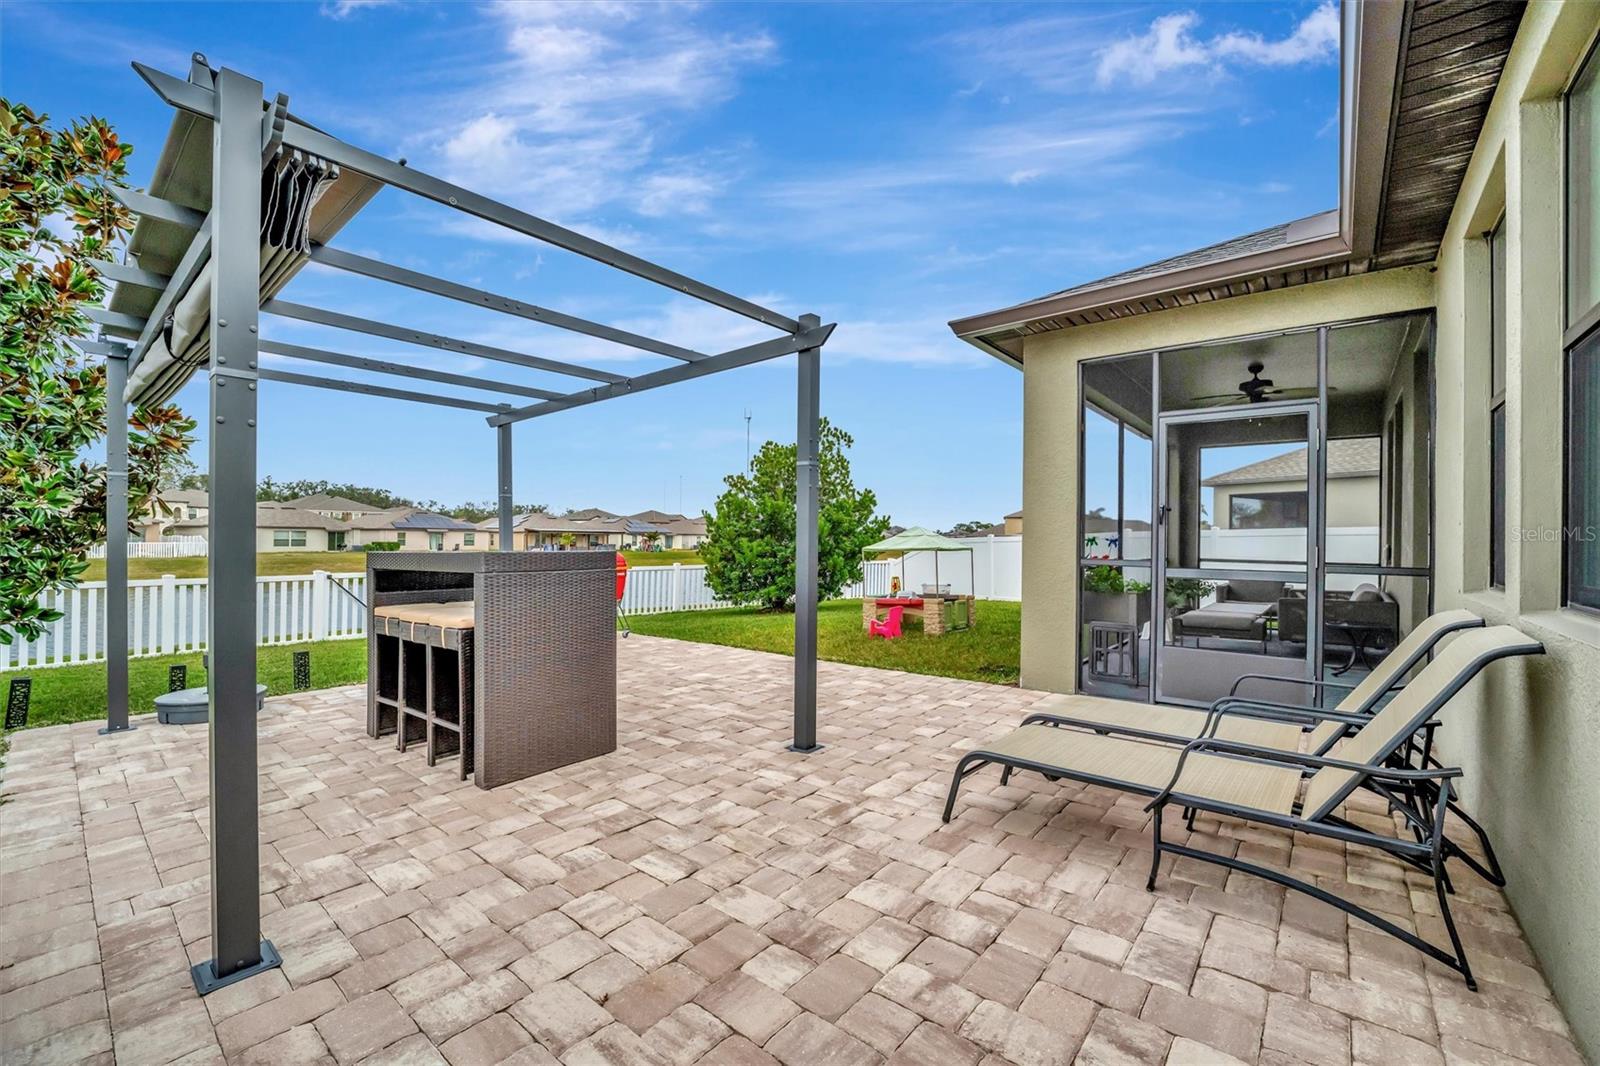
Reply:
x=804, y=751
x=205, y=976
x=108, y=730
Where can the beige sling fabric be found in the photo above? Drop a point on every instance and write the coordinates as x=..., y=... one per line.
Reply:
x=1402, y=716
x=1387, y=672
x=1148, y=767
x=1170, y=721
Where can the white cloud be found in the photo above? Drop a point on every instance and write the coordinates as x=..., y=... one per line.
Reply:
x=343, y=9
x=1170, y=44
x=573, y=116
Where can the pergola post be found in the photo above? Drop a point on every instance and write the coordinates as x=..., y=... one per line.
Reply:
x=503, y=439
x=236, y=945
x=808, y=413
x=116, y=546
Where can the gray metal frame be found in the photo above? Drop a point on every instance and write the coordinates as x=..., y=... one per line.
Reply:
x=249, y=133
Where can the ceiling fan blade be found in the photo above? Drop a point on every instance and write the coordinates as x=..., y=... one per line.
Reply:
x=1300, y=393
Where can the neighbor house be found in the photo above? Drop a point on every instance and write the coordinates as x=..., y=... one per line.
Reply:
x=594, y=528
x=341, y=507
x=1271, y=493
x=280, y=527
x=414, y=529
x=1449, y=310
x=171, y=506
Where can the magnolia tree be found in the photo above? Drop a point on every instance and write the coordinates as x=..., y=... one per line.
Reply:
x=56, y=214
x=750, y=538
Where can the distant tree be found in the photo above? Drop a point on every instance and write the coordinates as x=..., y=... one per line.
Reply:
x=477, y=512
x=56, y=214
x=969, y=529
x=750, y=537
x=269, y=489
x=650, y=538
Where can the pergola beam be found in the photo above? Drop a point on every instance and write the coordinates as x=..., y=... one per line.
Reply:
x=379, y=366
x=116, y=323
x=376, y=268
x=317, y=382
x=806, y=337
x=199, y=101
x=128, y=274
x=146, y=206
x=372, y=328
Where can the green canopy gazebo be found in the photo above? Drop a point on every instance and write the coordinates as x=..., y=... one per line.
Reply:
x=916, y=540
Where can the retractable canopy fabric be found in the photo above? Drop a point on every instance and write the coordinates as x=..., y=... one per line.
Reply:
x=304, y=201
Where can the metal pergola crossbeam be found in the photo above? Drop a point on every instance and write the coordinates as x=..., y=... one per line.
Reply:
x=249, y=135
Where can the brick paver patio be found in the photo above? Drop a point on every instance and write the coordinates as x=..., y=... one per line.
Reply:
x=704, y=895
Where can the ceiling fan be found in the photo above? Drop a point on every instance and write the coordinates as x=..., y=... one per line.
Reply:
x=1257, y=390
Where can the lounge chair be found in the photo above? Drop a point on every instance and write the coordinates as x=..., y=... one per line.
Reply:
x=1264, y=785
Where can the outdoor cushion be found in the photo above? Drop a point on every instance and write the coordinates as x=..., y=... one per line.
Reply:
x=454, y=615
x=1224, y=618
x=1365, y=594
x=1254, y=590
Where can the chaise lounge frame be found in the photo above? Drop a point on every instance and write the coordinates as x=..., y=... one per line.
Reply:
x=1406, y=789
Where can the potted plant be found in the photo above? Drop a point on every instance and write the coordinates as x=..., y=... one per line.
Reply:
x=1184, y=593
x=1108, y=596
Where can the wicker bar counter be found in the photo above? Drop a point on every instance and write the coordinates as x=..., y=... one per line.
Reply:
x=507, y=660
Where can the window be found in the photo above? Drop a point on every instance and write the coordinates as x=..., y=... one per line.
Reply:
x=336, y=541
x=1583, y=194
x=1582, y=535
x=288, y=538
x=1268, y=510
x=469, y=539
x=1497, y=405
x=436, y=542
x=400, y=537
x=1583, y=473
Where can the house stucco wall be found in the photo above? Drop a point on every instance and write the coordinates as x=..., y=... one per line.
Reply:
x=1050, y=428
x=1352, y=501
x=1528, y=736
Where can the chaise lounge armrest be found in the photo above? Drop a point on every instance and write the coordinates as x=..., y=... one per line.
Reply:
x=1242, y=678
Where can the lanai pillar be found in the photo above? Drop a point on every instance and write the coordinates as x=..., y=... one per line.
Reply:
x=808, y=413
x=236, y=945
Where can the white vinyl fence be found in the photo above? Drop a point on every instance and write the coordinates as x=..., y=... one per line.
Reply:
x=165, y=548
x=168, y=614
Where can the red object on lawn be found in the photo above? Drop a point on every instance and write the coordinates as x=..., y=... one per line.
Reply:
x=889, y=628
x=622, y=575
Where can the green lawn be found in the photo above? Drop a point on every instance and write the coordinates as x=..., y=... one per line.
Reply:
x=334, y=562
x=78, y=693
x=990, y=651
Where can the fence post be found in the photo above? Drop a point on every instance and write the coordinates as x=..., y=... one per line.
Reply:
x=319, y=604
x=167, y=607
x=677, y=586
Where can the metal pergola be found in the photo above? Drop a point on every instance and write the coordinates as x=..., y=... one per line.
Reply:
x=223, y=245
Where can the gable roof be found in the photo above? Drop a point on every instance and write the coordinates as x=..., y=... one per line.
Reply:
x=322, y=501
x=1416, y=81
x=1347, y=457
x=270, y=515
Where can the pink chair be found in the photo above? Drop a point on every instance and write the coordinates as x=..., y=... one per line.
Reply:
x=889, y=628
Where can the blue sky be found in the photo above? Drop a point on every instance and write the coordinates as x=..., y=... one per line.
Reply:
x=889, y=167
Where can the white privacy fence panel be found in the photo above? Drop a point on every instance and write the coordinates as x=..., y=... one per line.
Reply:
x=993, y=572
x=168, y=615
x=165, y=548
